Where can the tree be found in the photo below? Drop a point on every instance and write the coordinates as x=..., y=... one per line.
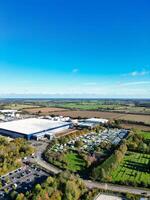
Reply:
x=78, y=143
x=38, y=188
x=50, y=180
x=56, y=195
x=13, y=195
x=72, y=191
x=20, y=197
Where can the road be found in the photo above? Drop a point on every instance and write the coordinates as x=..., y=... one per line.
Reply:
x=116, y=188
x=47, y=166
x=90, y=184
x=42, y=163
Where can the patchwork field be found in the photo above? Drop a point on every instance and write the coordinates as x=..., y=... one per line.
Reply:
x=88, y=114
x=133, y=170
x=138, y=118
x=99, y=105
x=107, y=115
x=44, y=110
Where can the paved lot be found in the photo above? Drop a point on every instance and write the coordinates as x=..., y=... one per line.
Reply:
x=22, y=180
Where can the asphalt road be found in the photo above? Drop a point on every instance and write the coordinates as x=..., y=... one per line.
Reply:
x=41, y=146
x=116, y=188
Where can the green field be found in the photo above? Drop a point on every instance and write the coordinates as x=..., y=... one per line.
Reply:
x=145, y=134
x=133, y=170
x=102, y=105
x=74, y=162
x=99, y=105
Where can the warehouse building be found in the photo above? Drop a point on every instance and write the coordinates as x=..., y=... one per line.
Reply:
x=33, y=128
x=91, y=123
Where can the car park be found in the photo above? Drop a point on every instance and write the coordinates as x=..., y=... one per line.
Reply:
x=21, y=179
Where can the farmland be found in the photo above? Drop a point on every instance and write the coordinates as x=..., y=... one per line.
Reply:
x=135, y=111
x=87, y=114
x=17, y=106
x=122, y=106
x=145, y=134
x=136, y=118
x=43, y=110
x=133, y=170
x=107, y=115
x=95, y=106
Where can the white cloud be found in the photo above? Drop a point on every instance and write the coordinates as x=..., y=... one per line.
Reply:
x=135, y=83
x=138, y=73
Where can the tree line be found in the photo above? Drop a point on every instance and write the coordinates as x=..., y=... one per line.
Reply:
x=101, y=172
x=12, y=152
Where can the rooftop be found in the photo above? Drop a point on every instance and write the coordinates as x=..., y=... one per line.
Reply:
x=31, y=125
x=107, y=197
x=97, y=120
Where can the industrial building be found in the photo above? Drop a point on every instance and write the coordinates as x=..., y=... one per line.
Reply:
x=33, y=128
x=91, y=122
x=97, y=120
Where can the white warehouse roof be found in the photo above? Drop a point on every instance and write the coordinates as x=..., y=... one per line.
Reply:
x=97, y=120
x=31, y=125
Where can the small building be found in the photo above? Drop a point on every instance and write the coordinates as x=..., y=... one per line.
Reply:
x=9, y=113
x=97, y=120
x=86, y=125
x=91, y=123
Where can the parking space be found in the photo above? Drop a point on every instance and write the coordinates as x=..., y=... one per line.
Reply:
x=22, y=180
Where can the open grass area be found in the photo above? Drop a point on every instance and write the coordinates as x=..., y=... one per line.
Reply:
x=133, y=170
x=145, y=134
x=74, y=162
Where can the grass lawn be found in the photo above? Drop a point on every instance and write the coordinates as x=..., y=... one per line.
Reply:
x=145, y=134
x=134, y=168
x=74, y=162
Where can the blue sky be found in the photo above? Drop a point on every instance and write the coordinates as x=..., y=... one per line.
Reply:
x=76, y=48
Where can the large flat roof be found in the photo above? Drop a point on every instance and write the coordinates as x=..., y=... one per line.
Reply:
x=31, y=125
